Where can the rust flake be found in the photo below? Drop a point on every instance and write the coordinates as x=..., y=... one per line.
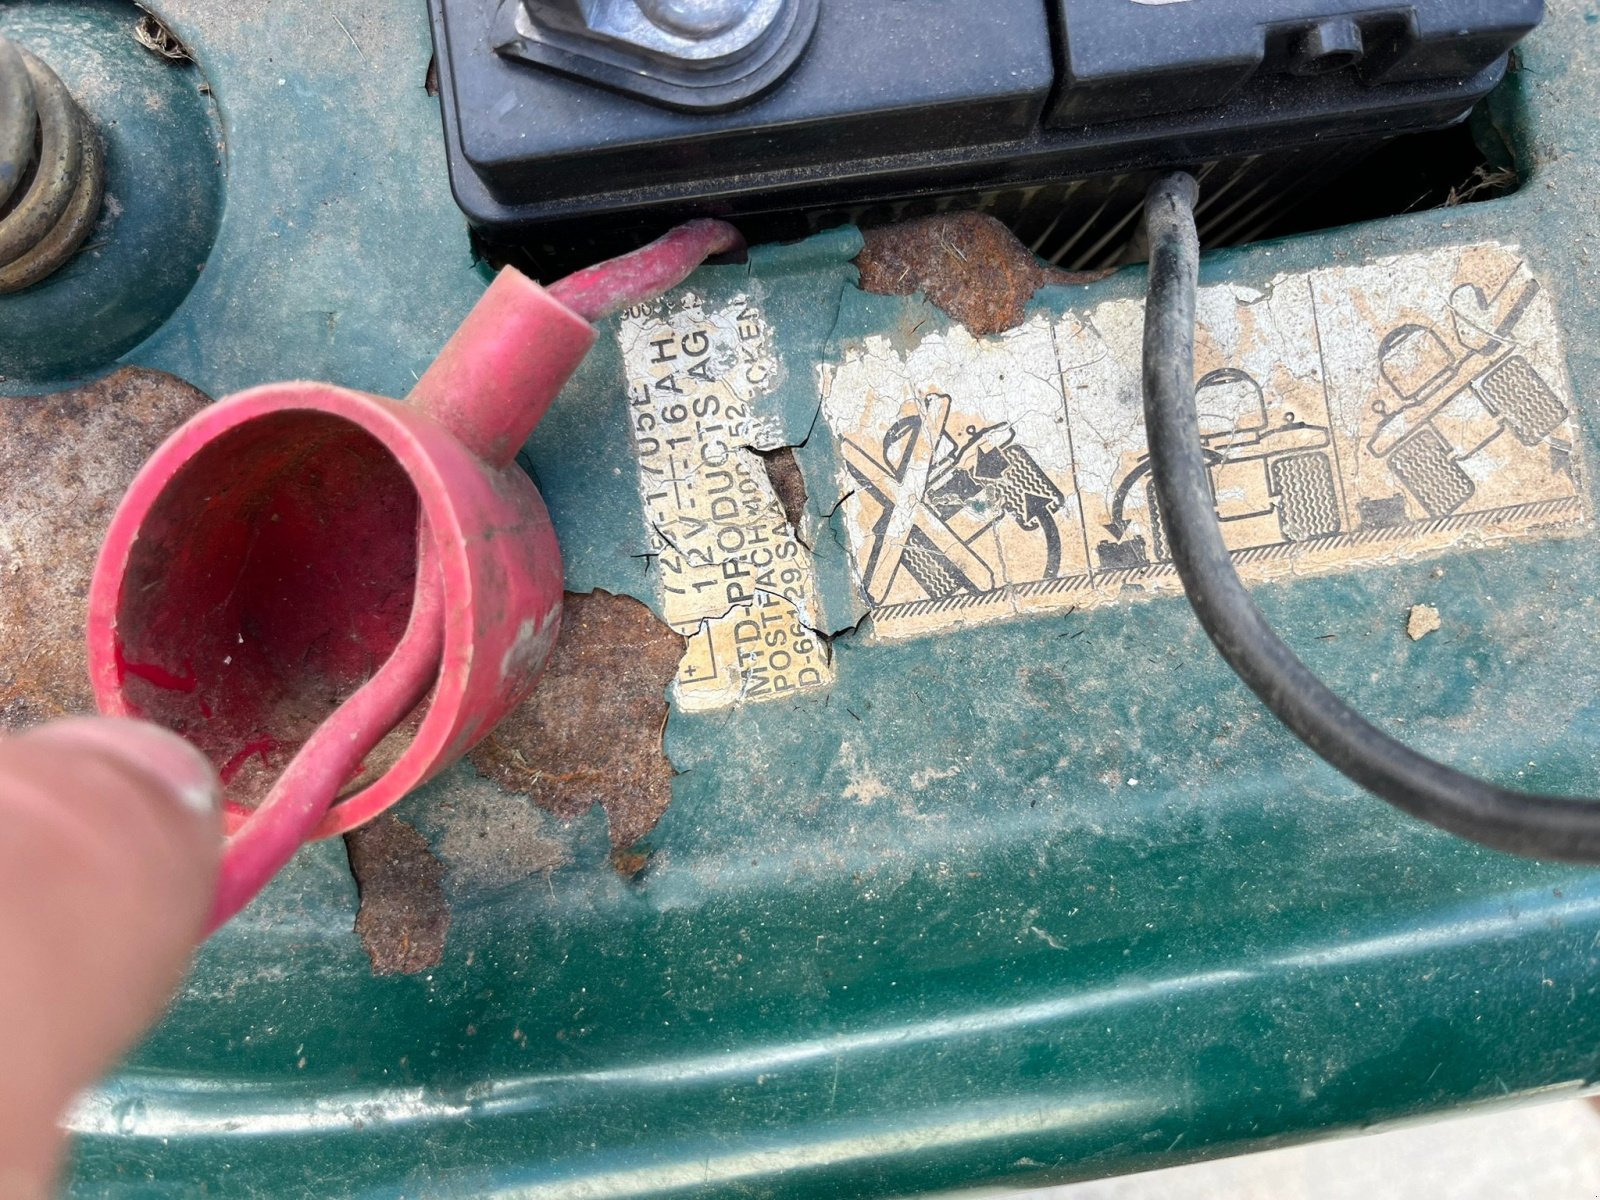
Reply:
x=783, y=472
x=65, y=461
x=591, y=731
x=403, y=919
x=968, y=264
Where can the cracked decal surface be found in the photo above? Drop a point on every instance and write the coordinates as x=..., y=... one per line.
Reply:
x=734, y=577
x=1351, y=416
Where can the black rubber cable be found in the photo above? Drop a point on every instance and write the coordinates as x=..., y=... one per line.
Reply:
x=1539, y=826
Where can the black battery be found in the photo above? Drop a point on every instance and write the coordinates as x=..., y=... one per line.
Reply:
x=896, y=99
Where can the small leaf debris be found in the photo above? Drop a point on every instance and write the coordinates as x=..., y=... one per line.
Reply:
x=153, y=34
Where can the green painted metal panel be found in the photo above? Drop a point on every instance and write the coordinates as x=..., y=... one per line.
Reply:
x=1025, y=970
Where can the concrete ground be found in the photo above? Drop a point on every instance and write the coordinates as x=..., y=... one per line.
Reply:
x=1543, y=1152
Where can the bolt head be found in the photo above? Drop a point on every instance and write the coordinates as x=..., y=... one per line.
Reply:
x=696, y=18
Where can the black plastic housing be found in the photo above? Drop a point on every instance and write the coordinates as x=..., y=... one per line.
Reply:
x=1121, y=59
x=909, y=98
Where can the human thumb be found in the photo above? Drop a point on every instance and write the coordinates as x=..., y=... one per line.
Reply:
x=110, y=837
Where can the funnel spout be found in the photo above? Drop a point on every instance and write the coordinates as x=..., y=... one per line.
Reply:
x=498, y=373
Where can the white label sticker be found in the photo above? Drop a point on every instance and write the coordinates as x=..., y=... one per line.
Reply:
x=1351, y=416
x=734, y=577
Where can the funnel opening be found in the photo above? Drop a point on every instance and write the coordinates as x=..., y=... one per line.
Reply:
x=270, y=579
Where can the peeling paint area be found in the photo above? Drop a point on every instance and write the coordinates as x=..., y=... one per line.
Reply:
x=735, y=578
x=535, y=637
x=65, y=460
x=403, y=919
x=1351, y=416
x=969, y=265
x=591, y=731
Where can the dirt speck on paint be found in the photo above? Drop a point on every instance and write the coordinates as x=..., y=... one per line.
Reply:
x=591, y=731
x=1421, y=621
x=968, y=264
x=403, y=918
x=65, y=461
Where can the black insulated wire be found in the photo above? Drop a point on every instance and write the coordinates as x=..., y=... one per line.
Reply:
x=1539, y=826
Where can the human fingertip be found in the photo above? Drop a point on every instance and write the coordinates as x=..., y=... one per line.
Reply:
x=159, y=754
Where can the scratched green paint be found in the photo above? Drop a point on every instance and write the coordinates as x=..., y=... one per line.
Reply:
x=920, y=930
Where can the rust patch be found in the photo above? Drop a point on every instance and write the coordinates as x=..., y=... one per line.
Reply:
x=968, y=264
x=783, y=472
x=591, y=731
x=491, y=839
x=403, y=918
x=65, y=460
x=629, y=862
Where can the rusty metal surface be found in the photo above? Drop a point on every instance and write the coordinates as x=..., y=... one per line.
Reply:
x=968, y=264
x=65, y=460
x=403, y=919
x=591, y=732
x=488, y=839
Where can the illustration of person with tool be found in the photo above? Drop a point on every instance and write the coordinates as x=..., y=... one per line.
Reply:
x=1449, y=393
x=1271, y=481
x=941, y=491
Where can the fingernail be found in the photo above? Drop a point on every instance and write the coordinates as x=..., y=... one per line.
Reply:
x=148, y=748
